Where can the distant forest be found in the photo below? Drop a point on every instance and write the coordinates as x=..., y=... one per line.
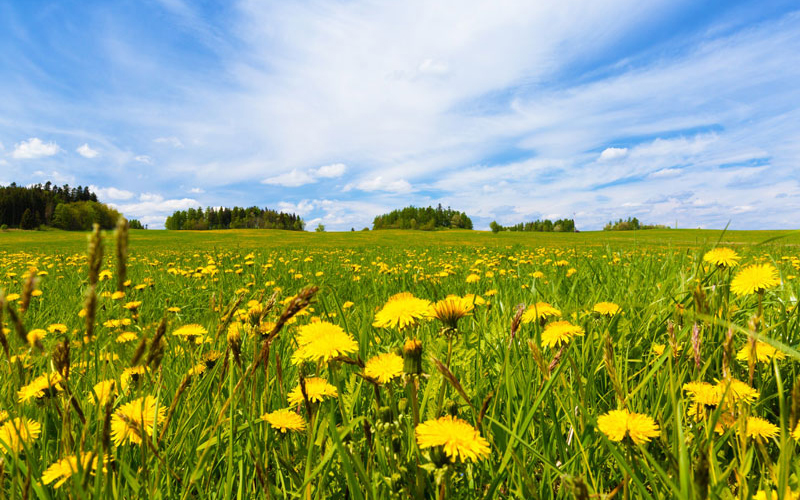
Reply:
x=233, y=218
x=631, y=224
x=63, y=207
x=546, y=226
x=426, y=219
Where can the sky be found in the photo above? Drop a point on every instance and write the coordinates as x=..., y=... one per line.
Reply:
x=676, y=112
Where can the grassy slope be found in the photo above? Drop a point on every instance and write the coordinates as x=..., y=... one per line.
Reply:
x=76, y=241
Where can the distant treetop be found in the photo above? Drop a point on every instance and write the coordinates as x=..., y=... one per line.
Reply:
x=426, y=219
x=546, y=225
x=631, y=224
x=233, y=218
x=64, y=207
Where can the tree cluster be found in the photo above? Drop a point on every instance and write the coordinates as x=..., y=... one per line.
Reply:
x=63, y=207
x=546, y=226
x=233, y=218
x=426, y=219
x=631, y=224
x=135, y=224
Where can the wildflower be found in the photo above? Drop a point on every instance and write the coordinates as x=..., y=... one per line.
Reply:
x=459, y=440
x=36, y=335
x=755, y=279
x=127, y=337
x=133, y=306
x=117, y=295
x=234, y=333
x=540, y=311
x=284, y=420
x=473, y=278
x=450, y=310
x=57, y=328
x=43, y=385
x=65, y=468
x=192, y=333
x=131, y=419
x=616, y=424
x=317, y=389
x=606, y=308
x=11, y=297
x=322, y=341
x=560, y=332
x=117, y=323
x=131, y=376
x=412, y=357
x=174, y=309
x=401, y=311
x=3, y=416
x=764, y=353
x=384, y=367
x=102, y=391
x=760, y=428
x=105, y=275
x=18, y=432
x=722, y=257
x=795, y=432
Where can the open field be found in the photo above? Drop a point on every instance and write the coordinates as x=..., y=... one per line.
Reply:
x=633, y=369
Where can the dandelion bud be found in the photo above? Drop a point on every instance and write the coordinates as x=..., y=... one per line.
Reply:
x=27, y=291
x=95, y=254
x=122, y=253
x=412, y=357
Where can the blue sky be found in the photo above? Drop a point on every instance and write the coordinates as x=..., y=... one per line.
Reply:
x=672, y=111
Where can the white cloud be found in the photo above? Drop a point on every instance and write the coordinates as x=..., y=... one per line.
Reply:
x=34, y=148
x=433, y=67
x=666, y=172
x=197, y=190
x=153, y=208
x=297, y=177
x=301, y=208
x=87, y=152
x=294, y=178
x=111, y=193
x=144, y=159
x=380, y=183
x=613, y=153
x=53, y=176
x=172, y=141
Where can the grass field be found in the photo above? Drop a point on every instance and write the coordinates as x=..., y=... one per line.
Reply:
x=590, y=365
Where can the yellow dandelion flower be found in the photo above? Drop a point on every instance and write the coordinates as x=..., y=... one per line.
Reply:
x=540, y=311
x=402, y=311
x=117, y=295
x=317, y=389
x=459, y=440
x=127, y=337
x=3, y=416
x=192, y=333
x=322, y=341
x=44, y=385
x=764, y=353
x=616, y=424
x=65, y=468
x=284, y=420
x=17, y=432
x=759, y=428
x=131, y=376
x=473, y=278
x=560, y=332
x=102, y=391
x=384, y=367
x=722, y=257
x=755, y=279
x=11, y=297
x=348, y=305
x=174, y=309
x=606, y=308
x=795, y=432
x=451, y=309
x=131, y=419
x=105, y=275
x=57, y=328
x=36, y=335
x=703, y=393
x=132, y=306
x=738, y=391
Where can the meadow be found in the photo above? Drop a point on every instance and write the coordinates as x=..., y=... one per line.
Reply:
x=399, y=364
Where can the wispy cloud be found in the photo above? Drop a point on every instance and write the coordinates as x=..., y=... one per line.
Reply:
x=34, y=148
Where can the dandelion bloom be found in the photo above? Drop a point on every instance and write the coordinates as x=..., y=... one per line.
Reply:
x=41, y=386
x=606, y=308
x=317, y=389
x=473, y=278
x=755, y=279
x=322, y=341
x=132, y=418
x=127, y=337
x=451, y=309
x=17, y=432
x=722, y=257
x=134, y=305
x=36, y=335
x=738, y=391
x=193, y=333
x=616, y=424
x=57, y=328
x=3, y=416
x=131, y=376
x=384, y=367
x=540, y=311
x=401, y=311
x=66, y=467
x=760, y=428
x=284, y=420
x=458, y=438
x=102, y=391
x=764, y=353
x=560, y=332
x=795, y=432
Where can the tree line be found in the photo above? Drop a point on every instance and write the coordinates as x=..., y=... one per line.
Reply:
x=426, y=219
x=197, y=219
x=546, y=226
x=631, y=224
x=63, y=207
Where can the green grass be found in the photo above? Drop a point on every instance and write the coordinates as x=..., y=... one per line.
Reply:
x=540, y=423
